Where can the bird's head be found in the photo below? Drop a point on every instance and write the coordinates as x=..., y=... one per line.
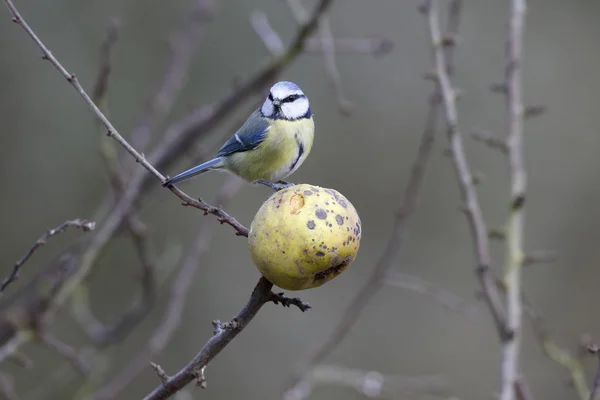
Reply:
x=286, y=101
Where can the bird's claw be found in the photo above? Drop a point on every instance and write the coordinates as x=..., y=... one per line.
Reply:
x=276, y=186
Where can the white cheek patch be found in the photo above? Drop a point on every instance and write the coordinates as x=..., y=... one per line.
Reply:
x=295, y=109
x=267, y=108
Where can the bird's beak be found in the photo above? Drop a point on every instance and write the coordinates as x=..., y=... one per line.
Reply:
x=277, y=103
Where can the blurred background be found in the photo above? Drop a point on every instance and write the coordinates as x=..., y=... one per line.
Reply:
x=52, y=171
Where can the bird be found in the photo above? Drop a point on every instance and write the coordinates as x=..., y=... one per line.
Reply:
x=271, y=145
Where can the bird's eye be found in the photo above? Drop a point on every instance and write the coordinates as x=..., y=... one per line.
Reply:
x=291, y=98
x=271, y=96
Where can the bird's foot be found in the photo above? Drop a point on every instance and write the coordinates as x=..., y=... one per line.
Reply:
x=276, y=186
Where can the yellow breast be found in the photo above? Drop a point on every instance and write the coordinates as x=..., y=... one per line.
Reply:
x=284, y=149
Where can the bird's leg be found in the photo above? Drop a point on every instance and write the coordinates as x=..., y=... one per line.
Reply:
x=276, y=186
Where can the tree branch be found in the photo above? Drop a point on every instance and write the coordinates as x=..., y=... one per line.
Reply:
x=82, y=224
x=477, y=225
x=223, y=334
x=516, y=216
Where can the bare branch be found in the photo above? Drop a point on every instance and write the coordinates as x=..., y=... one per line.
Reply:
x=224, y=334
x=82, y=224
x=555, y=353
x=160, y=372
x=66, y=351
x=264, y=30
x=511, y=368
x=279, y=298
x=328, y=50
x=477, y=225
x=490, y=139
x=101, y=86
x=448, y=300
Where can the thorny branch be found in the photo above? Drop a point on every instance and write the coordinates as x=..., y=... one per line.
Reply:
x=380, y=272
x=505, y=320
x=223, y=334
x=82, y=224
x=516, y=219
x=479, y=231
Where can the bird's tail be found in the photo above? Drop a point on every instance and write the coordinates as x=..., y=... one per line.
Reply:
x=215, y=163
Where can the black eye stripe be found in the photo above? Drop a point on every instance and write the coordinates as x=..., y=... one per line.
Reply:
x=292, y=97
x=270, y=96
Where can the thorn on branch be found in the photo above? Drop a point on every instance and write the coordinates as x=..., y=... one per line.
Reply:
x=490, y=139
x=499, y=88
x=162, y=375
x=279, y=298
x=449, y=41
x=533, y=111
x=431, y=76
x=539, y=257
x=496, y=234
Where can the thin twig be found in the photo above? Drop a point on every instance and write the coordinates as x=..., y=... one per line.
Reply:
x=82, y=224
x=67, y=352
x=328, y=51
x=447, y=299
x=490, y=139
x=264, y=30
x=477, y=225
x=377, y=278
x=516, y=218
x=98, y=332
x=183, y=48
x=557, y=354
x=273, y=43
x=101, y=86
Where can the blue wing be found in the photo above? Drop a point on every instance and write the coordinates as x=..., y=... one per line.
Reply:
x=248, y=137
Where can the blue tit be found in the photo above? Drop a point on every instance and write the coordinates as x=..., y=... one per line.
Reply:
x=272, y=143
